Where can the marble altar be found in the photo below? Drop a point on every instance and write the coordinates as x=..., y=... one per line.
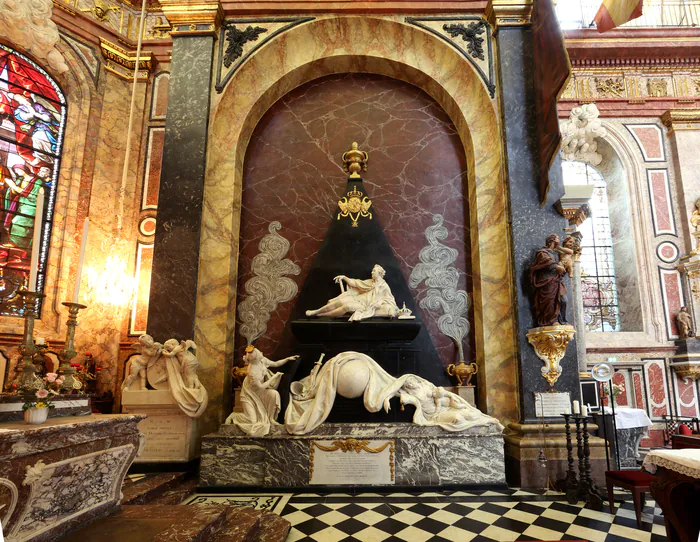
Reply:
x=66, y=405
x=62, y=474
x=423, y=456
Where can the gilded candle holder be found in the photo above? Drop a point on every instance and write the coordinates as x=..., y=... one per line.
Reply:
x=27, y=349
x=68, y=353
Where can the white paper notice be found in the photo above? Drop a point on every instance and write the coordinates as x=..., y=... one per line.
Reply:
x=352, y=462
x=552, y=404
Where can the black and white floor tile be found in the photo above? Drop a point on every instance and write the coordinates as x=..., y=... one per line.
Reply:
x=456, y=516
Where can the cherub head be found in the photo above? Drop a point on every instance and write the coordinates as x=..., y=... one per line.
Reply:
x=569, y=242
x=170, y=345
x=146, y=340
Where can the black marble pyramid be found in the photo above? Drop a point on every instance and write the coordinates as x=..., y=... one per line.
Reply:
x=354, y=243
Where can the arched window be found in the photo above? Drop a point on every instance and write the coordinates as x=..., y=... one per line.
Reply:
x=598, y=285
x=32, y=119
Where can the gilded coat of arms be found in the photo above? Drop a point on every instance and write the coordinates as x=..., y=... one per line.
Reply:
x=355, y=204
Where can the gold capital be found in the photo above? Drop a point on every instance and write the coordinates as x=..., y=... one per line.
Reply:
x=193, y=16
x=509, y=12
x=681, y=119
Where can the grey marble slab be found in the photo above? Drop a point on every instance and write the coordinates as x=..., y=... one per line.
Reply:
x=423, y=456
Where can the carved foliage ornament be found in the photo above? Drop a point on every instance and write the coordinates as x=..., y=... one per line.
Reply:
x=268, y=287
x=237, y=39
x=471, y=34
x=441, y=279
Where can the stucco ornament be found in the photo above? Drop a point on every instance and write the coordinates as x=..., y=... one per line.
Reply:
x=259, y=396
x=268, y=287
x=441, y=278
x=579, y=135
x=28, y=24
x=352, y=375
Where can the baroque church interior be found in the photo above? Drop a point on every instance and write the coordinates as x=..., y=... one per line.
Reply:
x=349, y=270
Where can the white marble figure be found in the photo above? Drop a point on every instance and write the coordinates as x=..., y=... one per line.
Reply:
x=181, y=364
x=259, y=396
x=579, y=135
x=149, y=351
x=351, y=375
x=171, y=366
x=362, y=298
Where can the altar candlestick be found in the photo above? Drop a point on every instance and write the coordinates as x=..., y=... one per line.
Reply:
x=577, y=407
x=584, y=410
x=36, y=242
x=83, y=246
x=40, y=340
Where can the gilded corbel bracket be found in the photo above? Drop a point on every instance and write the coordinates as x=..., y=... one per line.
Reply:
x=550, y=343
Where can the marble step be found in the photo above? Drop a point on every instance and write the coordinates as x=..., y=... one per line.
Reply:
x=273, y=528
x=152, y=486
x=156, y=523
x=177, y=494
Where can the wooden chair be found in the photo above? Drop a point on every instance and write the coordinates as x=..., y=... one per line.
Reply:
x=635, y=481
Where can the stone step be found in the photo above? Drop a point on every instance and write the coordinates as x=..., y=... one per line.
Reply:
x=156, y=523
x=272, y=528
x=151, y=487
x=177, y=494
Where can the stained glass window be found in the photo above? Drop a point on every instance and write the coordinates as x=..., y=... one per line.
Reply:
x=32, y=119
x=598, y=287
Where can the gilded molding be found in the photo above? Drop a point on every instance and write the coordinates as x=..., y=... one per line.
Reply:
x=122, y=62
x=681, y=119
x=509, y=13
x=191, y=15
x=353, y=445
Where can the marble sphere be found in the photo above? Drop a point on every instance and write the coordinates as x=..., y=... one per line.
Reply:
x=353, y=378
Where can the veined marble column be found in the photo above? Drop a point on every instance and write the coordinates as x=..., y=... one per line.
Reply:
x=171, y=310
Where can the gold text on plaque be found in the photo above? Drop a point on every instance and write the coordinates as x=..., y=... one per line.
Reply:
x=355, y=205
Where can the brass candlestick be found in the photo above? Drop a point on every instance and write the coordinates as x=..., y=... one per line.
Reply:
x=27, y=349
x=68, y=353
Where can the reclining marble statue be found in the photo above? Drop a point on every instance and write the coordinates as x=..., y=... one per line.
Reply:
x=362, y=299
x=259, y=396
x=352, y=374
x=170, y=366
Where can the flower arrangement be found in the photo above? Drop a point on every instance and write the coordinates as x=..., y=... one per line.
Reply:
x=617, y=390
x=42, y=394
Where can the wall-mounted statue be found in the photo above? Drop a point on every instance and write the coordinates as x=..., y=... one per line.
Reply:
x=259, y=396
x=362, y=298
x=173, y=367
x=353, y=375
x=580, y=133
x=547, y=277
x=685, y=324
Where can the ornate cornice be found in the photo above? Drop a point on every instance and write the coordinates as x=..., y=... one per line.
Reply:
x=122, y=62
x=681, y=119
x=193, y=17
x=509, y=12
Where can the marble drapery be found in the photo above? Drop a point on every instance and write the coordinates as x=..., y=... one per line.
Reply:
x=312, y=403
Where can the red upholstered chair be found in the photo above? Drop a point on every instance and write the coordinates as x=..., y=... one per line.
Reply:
x=635, y=481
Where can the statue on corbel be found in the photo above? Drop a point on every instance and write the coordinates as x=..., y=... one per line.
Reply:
x=170, y=366
x=553, y=333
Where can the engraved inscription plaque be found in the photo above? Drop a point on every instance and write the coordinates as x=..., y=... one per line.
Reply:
x=351, y=462
x=552, y=404
x=166, y=437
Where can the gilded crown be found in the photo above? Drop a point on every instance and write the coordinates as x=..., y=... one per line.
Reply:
x=249, y=349
x=355, y=193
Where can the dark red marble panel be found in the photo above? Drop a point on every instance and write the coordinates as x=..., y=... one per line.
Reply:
x=293, y=174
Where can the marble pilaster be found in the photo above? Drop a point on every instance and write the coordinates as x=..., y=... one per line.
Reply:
x=171, y=310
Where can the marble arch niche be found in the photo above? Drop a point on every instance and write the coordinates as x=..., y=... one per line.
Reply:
x=332, y=45
x=417, y=168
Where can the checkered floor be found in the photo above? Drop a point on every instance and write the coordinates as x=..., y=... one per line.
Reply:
x=456, y=516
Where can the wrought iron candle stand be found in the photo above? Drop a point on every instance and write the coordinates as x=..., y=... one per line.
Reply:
x=568, y=484
x=587, y=491
x=27, y=349
x=68, y=353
